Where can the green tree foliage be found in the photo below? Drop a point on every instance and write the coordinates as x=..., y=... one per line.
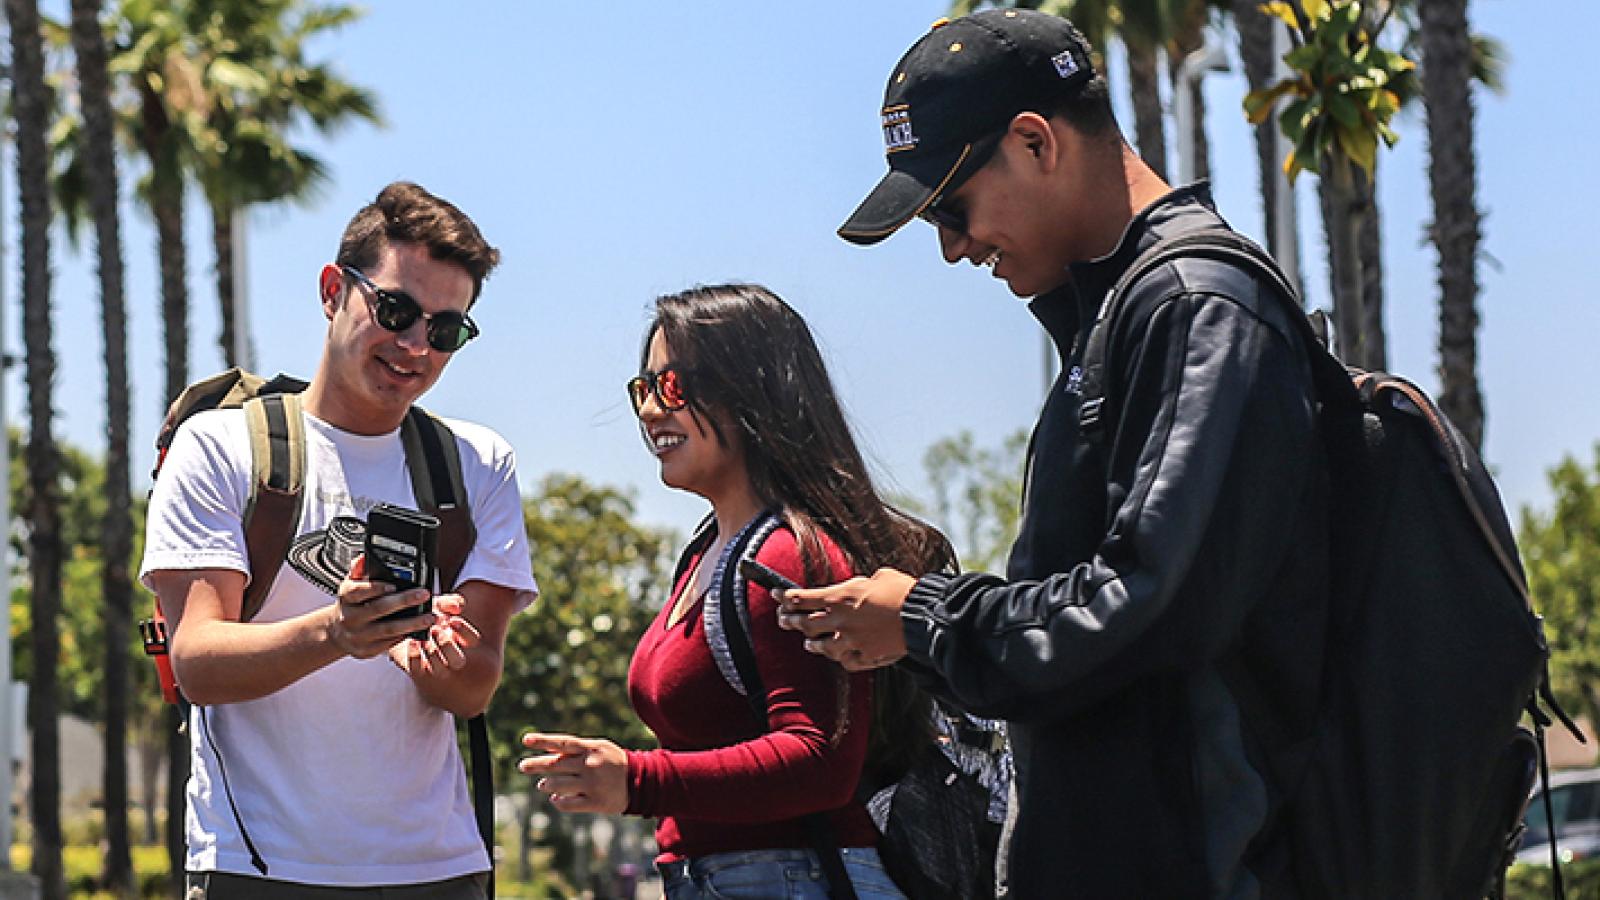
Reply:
x=1561, y=551
x=601, y=578
x=977, y=496
x=81, y=667
x=1344, y=90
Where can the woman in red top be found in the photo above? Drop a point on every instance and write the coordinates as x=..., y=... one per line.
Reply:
x=735, y=402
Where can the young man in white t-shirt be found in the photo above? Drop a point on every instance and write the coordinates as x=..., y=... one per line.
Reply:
x=323, y=736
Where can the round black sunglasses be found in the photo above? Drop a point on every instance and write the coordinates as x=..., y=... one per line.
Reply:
x=396, y=311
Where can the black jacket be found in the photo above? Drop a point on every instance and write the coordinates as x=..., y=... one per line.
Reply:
x=1157, y=644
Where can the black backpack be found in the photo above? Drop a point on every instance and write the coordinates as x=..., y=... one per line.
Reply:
x=1421, y=772
x=940, y=821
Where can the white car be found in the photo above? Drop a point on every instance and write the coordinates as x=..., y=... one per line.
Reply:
x=1576, y=805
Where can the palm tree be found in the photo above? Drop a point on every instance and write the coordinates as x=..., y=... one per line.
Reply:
x=1257, y=52
x=258, y=85
x=1143, y=26
x=1346, y=89
x=152, y=52
x=100, y=173
x=1185, y=30
x=31, y=102
x=155, y=53
x=1447, y=71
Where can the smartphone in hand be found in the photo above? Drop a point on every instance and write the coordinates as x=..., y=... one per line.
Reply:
x=765, y=577
x=400, y=549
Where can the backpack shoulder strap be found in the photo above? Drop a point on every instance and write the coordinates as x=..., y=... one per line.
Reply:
x=727, y=620
x=434, y=461
x=727, y=627
x=1332, y=380
x=272, y=512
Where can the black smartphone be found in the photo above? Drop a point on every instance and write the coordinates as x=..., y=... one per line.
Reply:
x=401, y=547
x=765, y=577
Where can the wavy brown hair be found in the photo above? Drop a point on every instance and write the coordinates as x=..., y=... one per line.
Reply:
x=406, y=213
x=749, y=363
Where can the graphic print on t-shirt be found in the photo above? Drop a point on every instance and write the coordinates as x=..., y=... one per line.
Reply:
x=324, y=557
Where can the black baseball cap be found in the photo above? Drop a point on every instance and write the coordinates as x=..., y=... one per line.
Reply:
x=950, y=98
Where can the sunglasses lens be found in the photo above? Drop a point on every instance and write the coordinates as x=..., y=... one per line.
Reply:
x=395, y=312
x=669, y=387
x=944, y=218
x=448, y=332
x=638, y=387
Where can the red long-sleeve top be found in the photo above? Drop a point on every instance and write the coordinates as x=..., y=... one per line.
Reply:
x=720, y=782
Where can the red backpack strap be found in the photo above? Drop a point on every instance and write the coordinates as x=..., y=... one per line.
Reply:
x=272, y=514
x=435, y=465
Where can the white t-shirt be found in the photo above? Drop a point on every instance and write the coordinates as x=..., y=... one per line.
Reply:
x=346, y=777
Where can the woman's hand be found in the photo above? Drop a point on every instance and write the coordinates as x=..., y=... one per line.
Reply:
x=579, y=774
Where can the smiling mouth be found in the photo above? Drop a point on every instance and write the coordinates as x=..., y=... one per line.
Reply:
x=661, y=443
x=991, y=260
x=398, y=371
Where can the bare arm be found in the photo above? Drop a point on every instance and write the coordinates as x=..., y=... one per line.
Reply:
x=218, y=659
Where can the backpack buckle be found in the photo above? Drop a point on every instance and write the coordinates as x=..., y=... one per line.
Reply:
x=154, y=635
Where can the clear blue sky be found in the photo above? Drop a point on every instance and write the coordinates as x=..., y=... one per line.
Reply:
x=621, y=151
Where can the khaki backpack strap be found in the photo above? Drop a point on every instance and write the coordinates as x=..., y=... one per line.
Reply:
x=435, y=465
x=272, y=514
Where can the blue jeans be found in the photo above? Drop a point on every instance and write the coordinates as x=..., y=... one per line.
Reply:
x=773, y=875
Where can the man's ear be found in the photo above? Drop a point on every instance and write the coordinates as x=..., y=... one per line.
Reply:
x=1037, y=139
x=330, y=287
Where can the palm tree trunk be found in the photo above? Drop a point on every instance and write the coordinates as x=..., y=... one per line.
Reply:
x=116, y=535
x=1256, y=51
x=1453, y=177
x=166, y=207
x=177, y=800
x=1341, y=218
x=222, y=244
x=1144, y=87
x=1369, y=247
x=152, y=742
x=1190, y=37
x=30, y=98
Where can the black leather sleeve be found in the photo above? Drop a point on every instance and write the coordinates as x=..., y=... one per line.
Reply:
x=1208, y=461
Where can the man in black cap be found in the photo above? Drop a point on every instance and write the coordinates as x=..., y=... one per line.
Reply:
x=1157, y=644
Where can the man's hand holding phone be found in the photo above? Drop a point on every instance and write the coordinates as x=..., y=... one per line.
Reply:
x=363, y=622
x=856, y=623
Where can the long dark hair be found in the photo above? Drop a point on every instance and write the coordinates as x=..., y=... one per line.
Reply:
x=748, y=361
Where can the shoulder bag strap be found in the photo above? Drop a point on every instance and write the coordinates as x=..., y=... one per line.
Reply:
x=1330, y=377
x=272, y=513
x=434, y=461
x=731, y=592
